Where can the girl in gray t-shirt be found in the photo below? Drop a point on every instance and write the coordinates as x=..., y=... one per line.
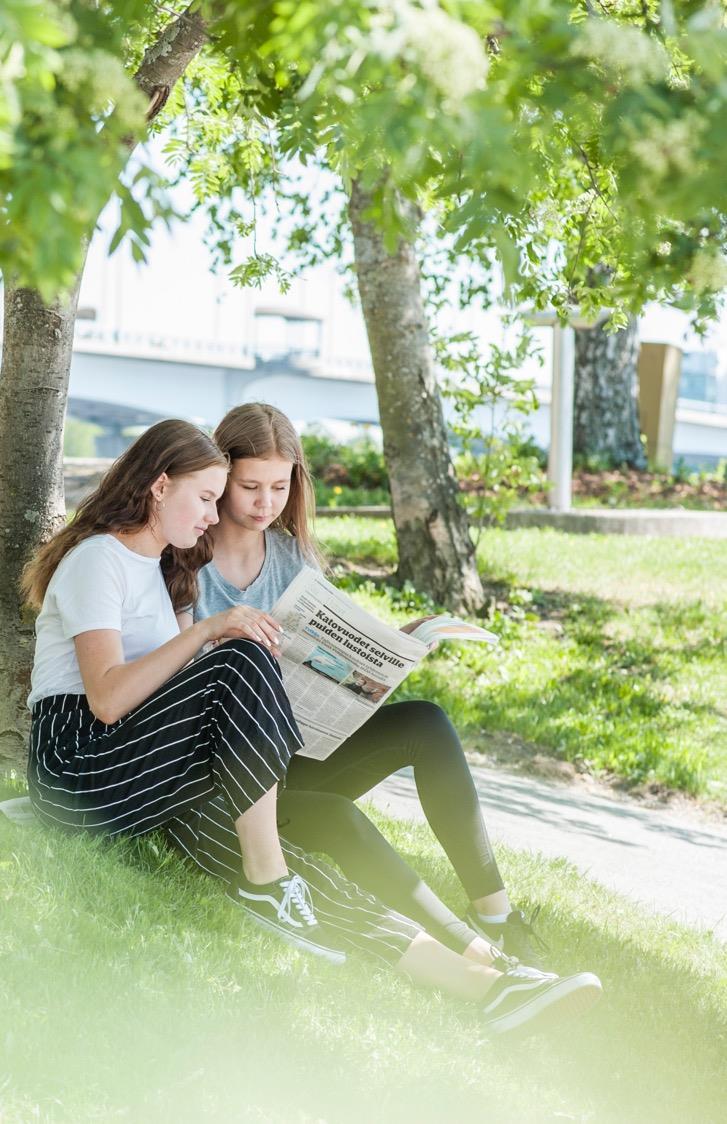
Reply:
x=261, y=542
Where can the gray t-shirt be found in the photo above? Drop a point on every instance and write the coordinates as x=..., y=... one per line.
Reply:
x=283, y=561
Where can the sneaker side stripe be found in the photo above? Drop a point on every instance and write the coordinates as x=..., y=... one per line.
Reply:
x=515, y=988
x=570, y=994
x=299, y=940
x=245, y=896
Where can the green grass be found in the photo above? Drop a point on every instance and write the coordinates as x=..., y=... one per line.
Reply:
x=626, y=569
x=613, y=648
x=131, y=990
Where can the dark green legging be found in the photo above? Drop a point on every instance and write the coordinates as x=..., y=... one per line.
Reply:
x=316, y=812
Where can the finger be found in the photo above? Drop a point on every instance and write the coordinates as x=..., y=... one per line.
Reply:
x=274, y=627
x=271, y=634
x=247, y=631
x=270, y=619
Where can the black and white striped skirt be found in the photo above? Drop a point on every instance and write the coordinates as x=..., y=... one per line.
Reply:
x=223, y=724
x=190, y=759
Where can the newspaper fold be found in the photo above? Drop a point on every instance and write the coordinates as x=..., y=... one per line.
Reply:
x=339, y=663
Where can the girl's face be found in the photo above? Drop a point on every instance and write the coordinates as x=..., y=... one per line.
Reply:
x=257, y=491
x=187, y=505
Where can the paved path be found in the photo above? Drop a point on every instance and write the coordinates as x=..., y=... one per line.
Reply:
x=656, y=857
x=659, y=521
x=662, y=522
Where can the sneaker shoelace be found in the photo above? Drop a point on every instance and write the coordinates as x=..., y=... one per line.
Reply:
x=526, y=927
x=297, y=895
x=502, y=961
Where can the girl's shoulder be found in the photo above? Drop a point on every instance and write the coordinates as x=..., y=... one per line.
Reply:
x=288, y=551
x=101, y=556
x=283, y=543
x=90, y=551
x=91, y=568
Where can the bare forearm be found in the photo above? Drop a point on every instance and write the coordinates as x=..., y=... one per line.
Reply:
x=127, y=685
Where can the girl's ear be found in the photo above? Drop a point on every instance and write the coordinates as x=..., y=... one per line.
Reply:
x=159, y=486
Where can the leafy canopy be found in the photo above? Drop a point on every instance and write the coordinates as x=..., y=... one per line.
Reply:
x=557, y=136
x=69, y=114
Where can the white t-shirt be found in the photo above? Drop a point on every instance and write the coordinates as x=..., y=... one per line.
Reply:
x=99, y=584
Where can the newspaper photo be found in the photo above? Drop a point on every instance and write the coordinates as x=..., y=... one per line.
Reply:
x=339, y=663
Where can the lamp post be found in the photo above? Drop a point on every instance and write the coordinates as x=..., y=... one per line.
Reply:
x=560, y=455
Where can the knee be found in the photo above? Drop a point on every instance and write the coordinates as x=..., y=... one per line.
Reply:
x=244, y=669
x=244, y=652
x=431, y=729
x=343, y=819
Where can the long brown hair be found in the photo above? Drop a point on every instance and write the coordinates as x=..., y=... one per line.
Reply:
x=258, y=430
x=123, y=502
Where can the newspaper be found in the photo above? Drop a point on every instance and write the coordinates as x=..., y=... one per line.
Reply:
x=19, y=810
x=339, y=663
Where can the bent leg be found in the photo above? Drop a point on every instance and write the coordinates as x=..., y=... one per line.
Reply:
x=335, y=826
x=206, y=835
x=222, y=724
x=417, y=734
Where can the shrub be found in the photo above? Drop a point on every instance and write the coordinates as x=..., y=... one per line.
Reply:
x=356, y=468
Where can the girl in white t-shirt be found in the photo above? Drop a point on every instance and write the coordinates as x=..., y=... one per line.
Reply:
x=127, y=733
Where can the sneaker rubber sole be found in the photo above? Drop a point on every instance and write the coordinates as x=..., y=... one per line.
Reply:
x=563, y=999
x=298, y=940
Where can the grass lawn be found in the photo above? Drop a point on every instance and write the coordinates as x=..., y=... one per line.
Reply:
x=131, y=990
x=614, y=648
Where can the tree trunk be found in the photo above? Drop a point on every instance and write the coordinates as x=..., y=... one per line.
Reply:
x=606, y=420
x=435, y=549
x=36, y=362
x=37, y=346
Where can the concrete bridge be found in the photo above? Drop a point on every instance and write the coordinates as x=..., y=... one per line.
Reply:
x=122, y=382
x=127, y=383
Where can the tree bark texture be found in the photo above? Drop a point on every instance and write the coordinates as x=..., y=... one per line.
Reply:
x=166, y=60
x=435, y=549
x=37, y=345
x=36, y=362
x=606, y=409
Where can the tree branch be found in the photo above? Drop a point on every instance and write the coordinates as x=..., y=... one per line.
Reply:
x=166, y=60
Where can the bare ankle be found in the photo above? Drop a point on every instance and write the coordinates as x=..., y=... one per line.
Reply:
x=493, y=904
x=260, y=873
x=480, y=951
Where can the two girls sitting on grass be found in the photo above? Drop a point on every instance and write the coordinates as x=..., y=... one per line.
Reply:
x=133, y=730
x=260, y=544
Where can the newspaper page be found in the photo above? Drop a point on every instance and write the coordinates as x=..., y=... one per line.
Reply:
x=339, y=663
x=444, y=627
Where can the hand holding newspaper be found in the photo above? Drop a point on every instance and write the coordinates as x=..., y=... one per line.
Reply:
x=339, y=663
